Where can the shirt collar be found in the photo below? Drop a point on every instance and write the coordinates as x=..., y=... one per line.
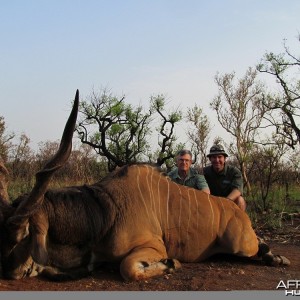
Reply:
x=187, y=177
x=223, y=172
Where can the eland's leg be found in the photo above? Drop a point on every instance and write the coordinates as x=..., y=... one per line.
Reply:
x=54, y=274
x=238, y=237
x=146, y=262
x=268, y=257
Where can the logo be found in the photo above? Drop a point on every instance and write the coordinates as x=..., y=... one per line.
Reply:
x=291, y=287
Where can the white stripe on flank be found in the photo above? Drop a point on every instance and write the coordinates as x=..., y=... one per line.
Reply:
x=197, y=221
x=139, y=188
x=150, y=192
x=154, y=212
x=179, y=228
x=167, y=217
x=188, y=223
x=179, y=223
x=150, y=171
x=223, y=208
x=158, y=196
x=212, y=217
x=223, y=216
x=180, y=206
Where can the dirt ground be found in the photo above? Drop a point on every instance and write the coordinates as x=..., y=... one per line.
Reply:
x=219, y=273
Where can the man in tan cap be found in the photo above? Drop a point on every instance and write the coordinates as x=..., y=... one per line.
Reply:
x=224, y=180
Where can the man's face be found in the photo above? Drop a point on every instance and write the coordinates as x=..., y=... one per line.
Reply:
x=218, y=162
x=184, y=162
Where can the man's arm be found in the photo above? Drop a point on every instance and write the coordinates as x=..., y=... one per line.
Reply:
x=237, y=182
x=207, y=190
x=235, y=193
x=201, y=184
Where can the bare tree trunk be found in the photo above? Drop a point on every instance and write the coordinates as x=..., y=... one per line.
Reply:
x=245, y=178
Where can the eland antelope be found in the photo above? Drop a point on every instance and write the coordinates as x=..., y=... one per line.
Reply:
x=136, y=216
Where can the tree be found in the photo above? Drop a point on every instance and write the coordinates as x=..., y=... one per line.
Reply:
x=199, y=134
x=4, y=140
x=21, y=161
x=240, y=113
x=4, y=151
x=284, y=67
x=266, y=161
x=122, y=133
x=114, y=129
x=46, y=150
x=167, y=144
x=84, y=165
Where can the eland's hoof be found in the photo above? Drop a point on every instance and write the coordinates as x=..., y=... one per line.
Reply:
x=276, y=260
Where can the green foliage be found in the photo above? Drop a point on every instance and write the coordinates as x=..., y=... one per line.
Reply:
x=116, y=130
x=198, y=134
x=166, y=134
x=282, y=205
x=19, y=187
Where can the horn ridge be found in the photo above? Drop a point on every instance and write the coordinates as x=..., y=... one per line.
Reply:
x=44, y=176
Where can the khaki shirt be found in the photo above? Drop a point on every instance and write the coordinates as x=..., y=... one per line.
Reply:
x=221, y=184
x=193, y=179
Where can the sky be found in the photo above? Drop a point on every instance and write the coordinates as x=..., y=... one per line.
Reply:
x=134, y=48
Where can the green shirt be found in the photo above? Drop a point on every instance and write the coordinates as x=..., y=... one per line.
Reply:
x=221, y=184
x=193, y=179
